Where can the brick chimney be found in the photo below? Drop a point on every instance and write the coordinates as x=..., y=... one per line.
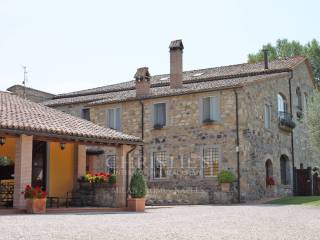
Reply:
x=176, y=50
x=142, y=78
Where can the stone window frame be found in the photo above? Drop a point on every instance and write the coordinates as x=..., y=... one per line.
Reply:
x=218, y=94
x=152, y=170
x=269, y=125
x=218, y=146
x=166, y=102
x=106, y=115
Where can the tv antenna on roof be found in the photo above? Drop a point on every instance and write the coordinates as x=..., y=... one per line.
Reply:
x=25, y=79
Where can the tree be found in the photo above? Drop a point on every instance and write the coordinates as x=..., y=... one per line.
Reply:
x=284, y=48
x=312, y=119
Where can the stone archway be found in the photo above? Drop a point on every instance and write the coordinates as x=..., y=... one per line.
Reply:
x=285, y=169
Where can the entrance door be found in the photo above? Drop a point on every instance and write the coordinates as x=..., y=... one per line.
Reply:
x=304, y=182
x=39, y=160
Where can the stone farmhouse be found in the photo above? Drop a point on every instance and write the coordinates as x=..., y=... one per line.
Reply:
x=246, y=118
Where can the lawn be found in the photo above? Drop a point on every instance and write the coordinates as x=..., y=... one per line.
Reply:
x=298, y=200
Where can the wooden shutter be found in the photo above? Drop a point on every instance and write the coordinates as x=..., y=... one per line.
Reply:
x=215, y=108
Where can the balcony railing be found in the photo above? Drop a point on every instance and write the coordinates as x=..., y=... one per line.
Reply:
x=285, y=121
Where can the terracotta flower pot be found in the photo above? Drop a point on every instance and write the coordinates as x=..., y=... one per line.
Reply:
x=36, y=205
x=225, y=187
x=136, y=204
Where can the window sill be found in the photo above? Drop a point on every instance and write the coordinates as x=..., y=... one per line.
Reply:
x=159, y=179
x=209, y=123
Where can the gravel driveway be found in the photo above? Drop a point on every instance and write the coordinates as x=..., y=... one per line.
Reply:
x=182, y=222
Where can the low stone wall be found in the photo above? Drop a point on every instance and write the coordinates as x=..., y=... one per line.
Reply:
x=189, y=192
x=96, y=195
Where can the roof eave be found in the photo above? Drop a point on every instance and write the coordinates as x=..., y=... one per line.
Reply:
x=68, y=138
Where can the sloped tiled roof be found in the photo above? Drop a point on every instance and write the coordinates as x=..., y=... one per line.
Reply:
x=17, y=114
x=195, y=80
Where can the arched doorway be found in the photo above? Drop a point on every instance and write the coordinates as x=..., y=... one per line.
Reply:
x=285, y=169
x=269, y=173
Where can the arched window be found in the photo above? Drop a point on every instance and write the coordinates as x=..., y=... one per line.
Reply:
x=282, y=105
x=299, y=98
x=285, y=169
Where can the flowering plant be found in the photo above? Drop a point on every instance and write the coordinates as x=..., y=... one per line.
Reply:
x=34, y=192
x=98, y=178
x=270, y=181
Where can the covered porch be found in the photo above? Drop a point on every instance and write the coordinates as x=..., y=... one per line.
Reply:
x=43, y=147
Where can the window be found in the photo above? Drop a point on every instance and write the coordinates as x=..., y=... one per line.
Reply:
x=284, y=169
x=211, y=109
x=160, y=165
x=110, y=164
x=85, y=114
x=267, y=116
x=160, y=118
x=211, y=159
x=269, y=171
x=114, y=119
x=282, y=104
x=299, y=98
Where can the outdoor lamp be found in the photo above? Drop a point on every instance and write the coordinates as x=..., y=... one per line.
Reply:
x=2, y=140
x=62, y=146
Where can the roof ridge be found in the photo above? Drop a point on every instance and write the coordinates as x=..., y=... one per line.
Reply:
x=120, y=88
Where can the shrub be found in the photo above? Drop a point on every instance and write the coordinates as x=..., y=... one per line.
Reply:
x=138, y=186
x=112, y=179
x=226, y=176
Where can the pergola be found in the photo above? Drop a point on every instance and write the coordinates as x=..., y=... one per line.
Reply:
x=26, y=121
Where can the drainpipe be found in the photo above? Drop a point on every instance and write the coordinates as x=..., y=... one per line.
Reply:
x=292, y=143
x=142, y=133
x=127, y=173
x=237, y=145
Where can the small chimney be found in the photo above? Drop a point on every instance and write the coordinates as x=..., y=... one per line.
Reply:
x=142, y=78
x=176, y=67
x=265, y=57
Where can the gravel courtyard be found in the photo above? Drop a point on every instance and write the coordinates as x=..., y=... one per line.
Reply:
x=182, y=222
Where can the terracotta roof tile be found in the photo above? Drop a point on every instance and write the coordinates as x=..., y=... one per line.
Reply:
x=18, y=114
x=219, y=77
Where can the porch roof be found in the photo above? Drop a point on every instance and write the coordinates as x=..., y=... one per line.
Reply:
x=20, y=116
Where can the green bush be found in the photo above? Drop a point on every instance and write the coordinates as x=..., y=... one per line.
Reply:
x=226, y=176
x=138, y=186
x=112, y=179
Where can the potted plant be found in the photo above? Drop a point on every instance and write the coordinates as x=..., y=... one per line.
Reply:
x=225, y=178
x=36, y=199
x=137, y=191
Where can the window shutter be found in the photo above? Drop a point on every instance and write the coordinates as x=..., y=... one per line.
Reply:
x=163, y=114
x=206, y=109
x=160, y=114
x=118, y=119
x=111, y=123
x=215, y=108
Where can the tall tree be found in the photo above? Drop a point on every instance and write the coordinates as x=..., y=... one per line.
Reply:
x=312, y=119
x=284, y=48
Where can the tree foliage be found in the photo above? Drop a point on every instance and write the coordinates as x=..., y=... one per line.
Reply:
x=312, y=119
x=284, y=48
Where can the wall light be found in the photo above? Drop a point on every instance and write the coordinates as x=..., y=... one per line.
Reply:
x=2, y=141
x=62, y=146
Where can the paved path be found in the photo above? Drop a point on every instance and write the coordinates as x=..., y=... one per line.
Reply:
x=185, y=222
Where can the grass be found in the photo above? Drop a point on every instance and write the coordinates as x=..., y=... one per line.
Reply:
x=299, y=200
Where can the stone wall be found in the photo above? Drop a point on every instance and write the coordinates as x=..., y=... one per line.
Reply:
x=185, y=137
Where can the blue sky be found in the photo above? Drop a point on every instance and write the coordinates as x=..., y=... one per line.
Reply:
x=70, y=45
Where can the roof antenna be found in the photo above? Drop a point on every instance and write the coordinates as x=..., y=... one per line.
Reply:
x=25, y=79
